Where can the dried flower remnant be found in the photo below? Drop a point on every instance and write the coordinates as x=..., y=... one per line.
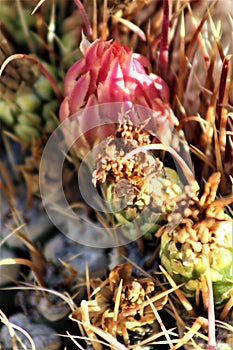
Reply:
x=202, y=241
x=120, y=303
x=138, y=188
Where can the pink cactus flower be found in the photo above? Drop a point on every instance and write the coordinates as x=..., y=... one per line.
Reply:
x=110, y=73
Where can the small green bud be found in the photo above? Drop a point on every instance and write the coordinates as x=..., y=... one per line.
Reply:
x=26, y=132
x=28, y=101
x=6, y=113
x=50, y=125
x=43, y=88
x=31, y=119
x=50, y=108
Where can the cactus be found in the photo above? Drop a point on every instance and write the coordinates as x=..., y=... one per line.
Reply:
x=202, y=241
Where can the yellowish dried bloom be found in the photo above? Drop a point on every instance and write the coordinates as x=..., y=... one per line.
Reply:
x=139, y=187
x=202, y=242
x=121, y=303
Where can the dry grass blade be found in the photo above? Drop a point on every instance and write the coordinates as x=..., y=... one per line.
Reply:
x=88, y=327
x=10, y=155
x=203, y=157
x=206, y=139
x=25, y=26
x=182, y=61
x=51, y=34
x=63, y=296
x=207, y=134
x=224, y=88
x=116, y=309
x=163, y=49
x=133, y=27
x=88, y=340
x=37, y=257
x=96, y=290
x=184, y=301
x=109, y=338
x=72, y=275
x=15, y=138
x=25, y=262
x=216, y=36
x=94, y=25
x=175, y=314
x=4, y=240
x=93, y=331
x=210, y=72
x=73, y=340
x=161, y=324
x=37, y=6
x=14, y=337
x=198, y=36
x=105, y=20
x=219, y=162
x=211, y=312
x=224, y=325
x=226, y=309
x=151, y=340
x=88, y=287
x=8, y=188
x=199, y=322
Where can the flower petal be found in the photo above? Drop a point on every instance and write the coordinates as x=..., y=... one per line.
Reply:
x=72, y=75
x=79, y=93
x=64, y=111
x=113, y=88
x=161, y=86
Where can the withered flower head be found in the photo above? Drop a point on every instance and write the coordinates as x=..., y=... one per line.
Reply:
x=121, y=303
x=136, y=185
x=202, y=242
